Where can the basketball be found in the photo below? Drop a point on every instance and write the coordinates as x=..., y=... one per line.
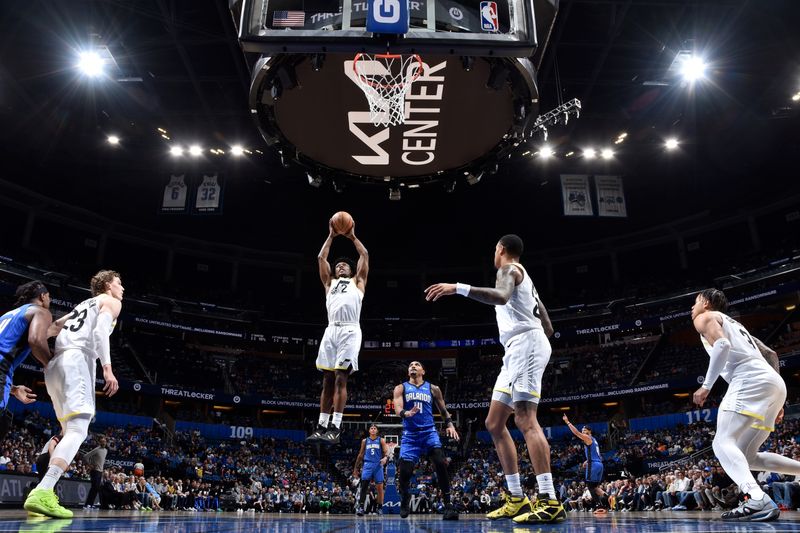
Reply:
x=138, y=469
x=342, y=222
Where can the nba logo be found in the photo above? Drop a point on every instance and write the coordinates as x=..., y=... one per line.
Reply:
x=489, y=16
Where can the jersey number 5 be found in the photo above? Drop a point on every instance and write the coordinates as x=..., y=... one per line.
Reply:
x=76, y=320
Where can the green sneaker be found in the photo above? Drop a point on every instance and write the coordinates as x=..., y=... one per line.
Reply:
x=45, y=502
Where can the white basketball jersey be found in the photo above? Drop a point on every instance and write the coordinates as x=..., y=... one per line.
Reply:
x=745, y=360
x=175, y=193
x=343, y=301
x=521, y=312
x=78, y=331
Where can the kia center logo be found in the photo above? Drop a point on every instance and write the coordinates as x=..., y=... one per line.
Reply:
x=557, y=335
x=137, y=387
x=236, y=399
x=638, y=323
x=701, y=379
x=456, y=13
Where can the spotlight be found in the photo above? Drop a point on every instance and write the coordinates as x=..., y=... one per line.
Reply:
x=693, y=69
x=237, y=150
x=589, y=153
x=546, y=152
x=607, y=153
x=623, y=135
x=195, y=150
x=394, y=194
x=91, y=64
x=113, y=140
x=570, y=153
x=177, y=151
x=671, y=143
x=796, y=97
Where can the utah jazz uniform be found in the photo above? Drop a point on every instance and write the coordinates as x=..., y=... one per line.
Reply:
x=373, y=453
x=594, y=462
x=755, y=389
x=13, y=347
x=419, y=431
x=342, y=339
x=527, y=349
x=70, y=375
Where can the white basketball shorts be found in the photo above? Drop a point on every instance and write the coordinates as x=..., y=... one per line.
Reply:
x=520, y=379
x=759, y=397
x=339, y=347
x=70, y=380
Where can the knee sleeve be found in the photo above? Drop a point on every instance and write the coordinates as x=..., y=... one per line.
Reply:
x=75, y=431
x=406, y=469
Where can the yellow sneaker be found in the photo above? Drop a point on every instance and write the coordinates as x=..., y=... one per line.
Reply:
x=45, y=502
x=543, y=511
x=513, y=507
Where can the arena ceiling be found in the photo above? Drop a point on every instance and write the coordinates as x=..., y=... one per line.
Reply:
x=178, y=67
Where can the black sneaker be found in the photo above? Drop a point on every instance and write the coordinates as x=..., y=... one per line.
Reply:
x=331, y=436
x=360, y=511
x=318, y=433
x=450, y=512
x=405, y=508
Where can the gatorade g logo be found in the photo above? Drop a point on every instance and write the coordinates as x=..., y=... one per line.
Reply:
x=387, y=11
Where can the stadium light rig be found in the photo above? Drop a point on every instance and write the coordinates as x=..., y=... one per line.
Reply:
x=671, y=143
x=693, y=69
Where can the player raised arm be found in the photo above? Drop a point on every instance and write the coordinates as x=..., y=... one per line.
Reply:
x=710, y=328
x=587, y=440
x=107, y=313
x=322, y=257
x=360, y=458
x=439, y=399
x=39, y=323
x=508, y=277
x=362, y=269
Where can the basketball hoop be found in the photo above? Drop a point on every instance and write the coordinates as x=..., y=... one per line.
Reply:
x=385, y=80
x=391, y=446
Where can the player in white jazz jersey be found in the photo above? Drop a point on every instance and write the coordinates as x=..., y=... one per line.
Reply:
x=70, y=379
x=338, y=350
x=524, y=327
x=750, y=408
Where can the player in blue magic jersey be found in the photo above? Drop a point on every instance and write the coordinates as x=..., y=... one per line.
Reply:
x=23, y=330
x=593, y=464
x=372, y=457
x=413, y=403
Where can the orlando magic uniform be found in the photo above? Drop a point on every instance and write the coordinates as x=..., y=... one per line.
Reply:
x=342, y=339
x=755, y=389
x=13, y=347
x=419, y=431
x=527, y=349
x=70, y=375
x=373, y=453
x=594, y=462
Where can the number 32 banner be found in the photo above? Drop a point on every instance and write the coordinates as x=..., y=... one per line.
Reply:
x=208, y=199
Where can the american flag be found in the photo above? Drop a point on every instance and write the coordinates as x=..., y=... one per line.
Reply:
x=288, y=19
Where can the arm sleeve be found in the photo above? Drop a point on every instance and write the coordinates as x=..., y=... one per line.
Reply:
x=719, y=356
x=102, y=331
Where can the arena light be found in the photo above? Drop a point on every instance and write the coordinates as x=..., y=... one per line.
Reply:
x=113, y=140
x=237, y=150
x=589, y=153
x=693, y=69
x=176, y=151
x=671, y=143
x=607, y=153
x=195, y=150
x=681, y=394
x=546, y=152
x=796, y=97
x=570, y=153
x=91, y=64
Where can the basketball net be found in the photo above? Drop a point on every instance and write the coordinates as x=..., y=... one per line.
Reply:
x=385, y=80
x=391, y=446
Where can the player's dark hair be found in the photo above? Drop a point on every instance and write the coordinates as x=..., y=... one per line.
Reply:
x=513, y=244
x=102, y=280
x=587, y=427
x=350, y=263
x=716, y=299
x=28, y=291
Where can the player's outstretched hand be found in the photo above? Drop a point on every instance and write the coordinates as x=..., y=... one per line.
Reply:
x=411, y=412
x=434, y=292
x=452, y=433
x=23, y=394
x=700, y=396
x=565, y=419
x=112, y=386
x=331, y=232
x=351, y=233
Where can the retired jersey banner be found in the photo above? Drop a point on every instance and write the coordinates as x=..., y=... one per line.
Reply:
x=174, y=200
x=610, y=196
x=575, y=193
x=208, y=199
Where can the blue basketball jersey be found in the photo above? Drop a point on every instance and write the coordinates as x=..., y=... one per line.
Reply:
x=422, y=398
x=373, y=452
x=13, y=346
x=593, y=452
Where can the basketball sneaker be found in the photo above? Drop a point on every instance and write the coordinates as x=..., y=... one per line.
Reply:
x=543, y=511
x=332, y=435
x=318, y=433
x=359, y=511
x=514, y=506
x=450, y=512
x=405, y=506
x=45, y=502
x=763, y=510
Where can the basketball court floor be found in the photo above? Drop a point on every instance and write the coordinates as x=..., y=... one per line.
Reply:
x=183, y=522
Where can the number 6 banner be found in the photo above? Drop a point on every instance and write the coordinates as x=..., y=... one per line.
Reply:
x=208, y=199
x=174, y=200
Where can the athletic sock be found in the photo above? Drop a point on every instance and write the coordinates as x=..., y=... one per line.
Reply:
x=50, y=478
x=514, y=486
x=337, y=420
x=545, y=482
x=323, y=419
